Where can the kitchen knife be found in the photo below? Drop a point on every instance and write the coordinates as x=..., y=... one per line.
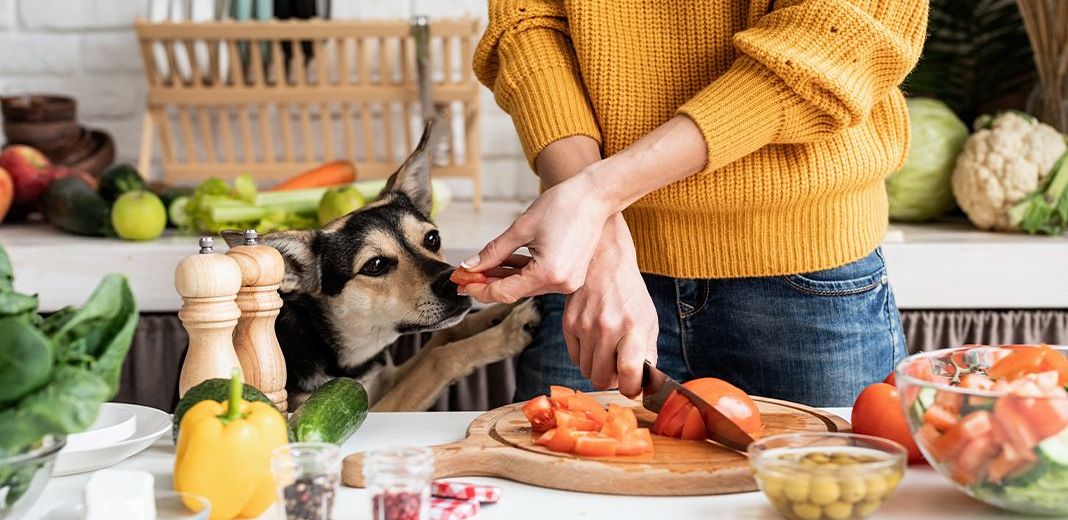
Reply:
x=657, y=386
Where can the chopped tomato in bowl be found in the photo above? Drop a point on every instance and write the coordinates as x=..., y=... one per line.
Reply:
x=994, y=420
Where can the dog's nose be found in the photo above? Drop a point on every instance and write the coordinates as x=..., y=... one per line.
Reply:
x=443, y=287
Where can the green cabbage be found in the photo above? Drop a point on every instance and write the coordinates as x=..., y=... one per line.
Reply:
x=922, y=190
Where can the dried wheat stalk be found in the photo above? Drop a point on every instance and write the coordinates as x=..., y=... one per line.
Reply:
x=1047, y=28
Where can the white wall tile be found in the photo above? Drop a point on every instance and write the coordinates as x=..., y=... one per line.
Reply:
x=38, y=54
x=80, y=14
x=6, y=13
x=111, y=52
x=115, y=96
x=126, y=133
x=450, y=8
x=372, y=9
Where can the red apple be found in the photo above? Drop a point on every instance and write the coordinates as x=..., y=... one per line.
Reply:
x=7, y=193
x=28, y=169
x=58, y=172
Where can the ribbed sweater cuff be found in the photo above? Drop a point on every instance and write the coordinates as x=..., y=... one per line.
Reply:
x=547, y=105
x=740, y=112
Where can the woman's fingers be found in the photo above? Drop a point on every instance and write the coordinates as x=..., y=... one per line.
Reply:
x=631, y=353
x=500, y=249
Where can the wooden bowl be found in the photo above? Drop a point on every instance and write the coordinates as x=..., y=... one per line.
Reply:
x=102, y=156
x=38, y=107
x=64, y=147
x=77, y=151
x=40, y=133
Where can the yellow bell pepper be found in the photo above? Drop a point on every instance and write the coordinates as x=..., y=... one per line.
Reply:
x=224, y=454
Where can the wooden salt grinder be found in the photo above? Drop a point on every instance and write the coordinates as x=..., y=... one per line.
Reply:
x=208, y=284
x=262, y=269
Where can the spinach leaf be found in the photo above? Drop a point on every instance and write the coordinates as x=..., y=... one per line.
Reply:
x=68, y=404
x=25, y=359
x=98, y=335
x=7, y=276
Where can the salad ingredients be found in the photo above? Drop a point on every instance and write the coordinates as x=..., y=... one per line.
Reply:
x=328, y=174
x=877, y=411
x=332, y=414
x=138, y=215
x=217, y=389
x=1010, y=157
x=567, y=421
x=995, y=421
x=338, y=202
x=224, y=453
x=679, y=417
x=921, y=190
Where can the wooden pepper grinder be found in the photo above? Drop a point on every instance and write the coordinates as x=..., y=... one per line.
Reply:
x=208, y=284
x=262, y=269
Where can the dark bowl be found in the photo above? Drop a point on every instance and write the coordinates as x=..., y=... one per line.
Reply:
x=38, y=107
x=74, y=151
x=40, y=133
x=102, y=156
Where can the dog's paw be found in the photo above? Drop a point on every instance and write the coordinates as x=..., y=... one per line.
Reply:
x=520, y=324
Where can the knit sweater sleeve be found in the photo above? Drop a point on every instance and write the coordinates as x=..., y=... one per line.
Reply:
x=526, y=58
x=807, y=71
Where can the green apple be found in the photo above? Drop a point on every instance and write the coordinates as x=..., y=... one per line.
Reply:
x=138, y=215
x=338, y=202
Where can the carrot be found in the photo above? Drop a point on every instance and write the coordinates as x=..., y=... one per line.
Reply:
x=328, y=174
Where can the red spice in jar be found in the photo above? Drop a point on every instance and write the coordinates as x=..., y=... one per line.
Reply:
x=397, y=506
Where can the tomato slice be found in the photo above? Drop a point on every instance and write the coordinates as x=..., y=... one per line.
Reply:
x=1014, y=425
x=977, y=382
x=940, y=418
x=973, y=460
x=672, y=416
x=576, y=420
x=562, y=441
x=624, y=413
x=1020, y=362
x=635, y=442
x=463, y=277
x=1056, y=361
x=595, y=445
x=694, y=427
x=545, y=438
x=584, y=403
x=725, y=397
x=1046, y=416
x=617, y=427
x=559, y=395
x=1009, y=463
x=951, y=401
x=539, y=412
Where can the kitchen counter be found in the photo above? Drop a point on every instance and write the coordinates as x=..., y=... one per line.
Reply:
x=945, y=265
x=922, y=493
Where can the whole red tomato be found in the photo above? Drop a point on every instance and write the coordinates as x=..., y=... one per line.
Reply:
x=877, y=412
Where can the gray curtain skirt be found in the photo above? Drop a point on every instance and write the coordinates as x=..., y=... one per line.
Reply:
x=150, y=375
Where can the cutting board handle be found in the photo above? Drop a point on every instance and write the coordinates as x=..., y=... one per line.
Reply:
x=458, y=459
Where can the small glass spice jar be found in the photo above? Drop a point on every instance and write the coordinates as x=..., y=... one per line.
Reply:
x=398, y=481
x=306, y=475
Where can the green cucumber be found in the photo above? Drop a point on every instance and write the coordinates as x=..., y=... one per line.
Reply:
x=1055, y=448
x=216, y=390
x=120, y=179
x=73, y=206
x=332, y=414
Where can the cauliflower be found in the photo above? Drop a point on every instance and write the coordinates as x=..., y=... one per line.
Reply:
x=1008, y=160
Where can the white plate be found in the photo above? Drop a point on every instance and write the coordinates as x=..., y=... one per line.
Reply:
x=151, y=424
x=169, y=506
x=114, y=423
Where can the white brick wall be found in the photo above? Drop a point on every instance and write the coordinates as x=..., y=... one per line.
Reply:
x=87, y=49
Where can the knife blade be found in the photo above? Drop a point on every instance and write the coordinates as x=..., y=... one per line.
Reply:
x=657, y=386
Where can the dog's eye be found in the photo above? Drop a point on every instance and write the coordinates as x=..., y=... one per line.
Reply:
x=376, y=266
x=432, y=240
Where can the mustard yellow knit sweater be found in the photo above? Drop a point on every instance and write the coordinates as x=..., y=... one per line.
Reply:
x=798, y=102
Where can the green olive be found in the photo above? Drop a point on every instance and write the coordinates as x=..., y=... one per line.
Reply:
x=796, y=489
x=853, y=489
x=838, y=511
x=807, y=511
x=772, y=486
x=892, y=480
x=868, y=507
x=876, y=487
x=843, y=457
x=820, y=458
x=809, y=463
x=823, y=491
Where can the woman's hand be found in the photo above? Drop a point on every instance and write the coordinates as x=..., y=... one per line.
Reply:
x=561, y=229
x=610, y=323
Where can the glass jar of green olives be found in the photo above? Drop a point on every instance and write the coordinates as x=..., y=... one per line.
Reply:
x=827, y=476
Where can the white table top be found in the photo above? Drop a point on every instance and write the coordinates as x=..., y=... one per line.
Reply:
x=945, y=265
x=922, y=493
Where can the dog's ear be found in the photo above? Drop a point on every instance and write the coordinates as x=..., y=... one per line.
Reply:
x=302, y=259
x=413, y=177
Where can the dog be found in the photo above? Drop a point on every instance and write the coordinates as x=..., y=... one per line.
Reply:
x=353, y=287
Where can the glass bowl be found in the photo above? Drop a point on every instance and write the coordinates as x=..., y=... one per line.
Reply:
x=833, y=476
x=1004, y=442
x=23, y=476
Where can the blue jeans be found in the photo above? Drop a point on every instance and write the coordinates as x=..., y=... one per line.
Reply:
x=815, y=338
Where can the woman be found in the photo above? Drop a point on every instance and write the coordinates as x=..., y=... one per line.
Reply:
x=713, y=188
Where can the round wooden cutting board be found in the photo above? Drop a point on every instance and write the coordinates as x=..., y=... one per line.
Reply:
x=500, y=444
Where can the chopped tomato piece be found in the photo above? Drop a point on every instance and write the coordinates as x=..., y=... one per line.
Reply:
x=977, y=382
x=595, y=445
x=1014, y=426
x=694, y=427
x=616, y=427
x=539, y=412
x=559, y=395
x=1045, y=416
x=626, y=414
x=584, y=403
x=563, y=440
x=976, y=456
x=463, y=277
x=940, y=418
x=951, y=401
x=727, y=398
x=575, y=420
x=1009, y=463
x=1030, y=361
x=544, y=438
x=635, y=442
